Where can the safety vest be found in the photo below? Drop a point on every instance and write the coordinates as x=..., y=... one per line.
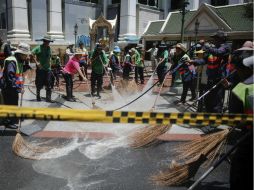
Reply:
x=214, y=66
x=19, y=72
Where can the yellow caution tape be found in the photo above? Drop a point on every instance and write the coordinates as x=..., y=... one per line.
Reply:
x=152, y=118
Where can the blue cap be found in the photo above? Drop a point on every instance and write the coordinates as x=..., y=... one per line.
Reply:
x=117, y=49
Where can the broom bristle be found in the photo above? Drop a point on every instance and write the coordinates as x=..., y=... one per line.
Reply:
x=207, y=145
x=147, y=136
x=25, y=150
x=178, y=174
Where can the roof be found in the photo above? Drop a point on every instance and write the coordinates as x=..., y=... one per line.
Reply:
x=154, y=27
x=232, y=15
x=235, y=17
x=173, y=25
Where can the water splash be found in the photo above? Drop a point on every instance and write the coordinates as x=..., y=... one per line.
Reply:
x=102, y=148
x=62, y=151
x=148, y=85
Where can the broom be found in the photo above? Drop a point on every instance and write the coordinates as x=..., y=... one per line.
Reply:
x=147, y=136
x=202, y=152
x=178, y=174
x=23, y=148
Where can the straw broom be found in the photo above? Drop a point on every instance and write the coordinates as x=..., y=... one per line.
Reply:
x=178, y=174
x=24, y=149
x=147, y=136
x=196, y=153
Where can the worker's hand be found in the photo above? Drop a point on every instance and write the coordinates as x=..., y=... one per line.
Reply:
x=189, y=62
x=226, y=83
x=84, y=78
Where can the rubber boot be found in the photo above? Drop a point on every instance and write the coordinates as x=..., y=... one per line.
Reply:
x=98, y=93
x=69, y=94
x=48, y=96
x=38, y=96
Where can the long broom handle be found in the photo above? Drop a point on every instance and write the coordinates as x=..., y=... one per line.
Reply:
x=208, y=91
x=216, y=164
x=20, y=105
x=168, y=71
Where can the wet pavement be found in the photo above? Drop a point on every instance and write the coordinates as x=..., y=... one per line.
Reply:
x=100, y=159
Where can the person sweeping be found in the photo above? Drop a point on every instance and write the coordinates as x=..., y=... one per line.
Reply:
x=13, y=69
x=71, y=68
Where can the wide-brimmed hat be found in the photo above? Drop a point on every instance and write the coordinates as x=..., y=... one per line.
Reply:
x=248, y=45
x=199, y=51
x=117, y=49
x=219, y=34
x=181, y=46
x=78, y=51
x=162, y=45
x=46, y=38
x=248, y=62
x=23, y=48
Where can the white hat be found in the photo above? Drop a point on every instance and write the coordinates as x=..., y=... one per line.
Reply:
x=78, y=51
x=181, y=46
x=23, y=48
x=248, y=45
x=248, y=62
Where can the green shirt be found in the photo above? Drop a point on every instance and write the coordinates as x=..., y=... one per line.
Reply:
x=137, y=59
x=99, y=62
x=164, y=56
x=43, y=55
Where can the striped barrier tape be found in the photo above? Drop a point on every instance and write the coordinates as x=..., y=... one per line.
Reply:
x=152, y=118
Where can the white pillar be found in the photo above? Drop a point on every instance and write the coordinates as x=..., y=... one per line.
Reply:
x=55, y=29
x=166, y=3
x=105, y=7
x=17, y=21
x=195, y=4
x=128, y=18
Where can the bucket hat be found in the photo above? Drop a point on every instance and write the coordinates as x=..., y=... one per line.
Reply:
x=23, y=48
x=181, y=46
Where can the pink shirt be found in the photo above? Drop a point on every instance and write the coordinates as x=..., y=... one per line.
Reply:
x=71, y=66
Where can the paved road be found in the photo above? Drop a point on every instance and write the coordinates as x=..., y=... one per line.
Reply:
x=94, y=162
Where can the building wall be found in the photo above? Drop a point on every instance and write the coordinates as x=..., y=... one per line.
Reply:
x=79, y=12
x=38, y=19
x=144, y=15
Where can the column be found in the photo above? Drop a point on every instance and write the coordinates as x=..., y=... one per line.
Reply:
x=128, y=20
x=17, y=21
x=166, y=3
x=105, y=8
x=55, y=22
x=193, y=5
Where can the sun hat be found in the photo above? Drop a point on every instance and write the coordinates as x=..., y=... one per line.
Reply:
x=23, y=48
x=78, y=51
x=117, y=49
x=181, y=46
x=162, y=45
x=248, y=45
x=199, y=51
x=46, y=38
x=248, y=62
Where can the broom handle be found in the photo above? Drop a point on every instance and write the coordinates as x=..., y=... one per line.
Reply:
x=216, y=164
x=208, y=91
x=20, y=105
